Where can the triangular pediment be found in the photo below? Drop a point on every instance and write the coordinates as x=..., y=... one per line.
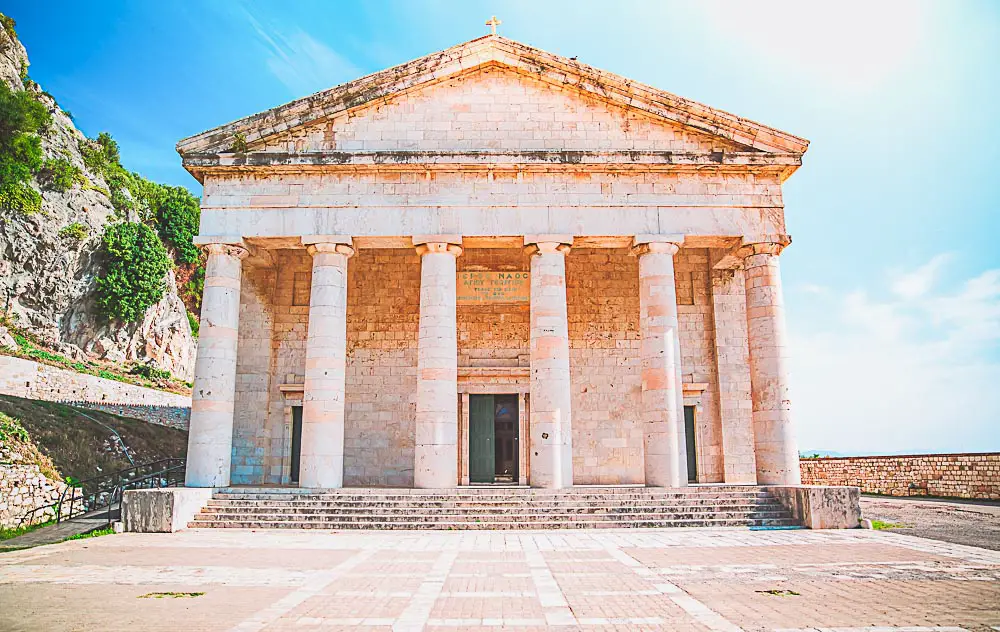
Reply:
x=493, y=94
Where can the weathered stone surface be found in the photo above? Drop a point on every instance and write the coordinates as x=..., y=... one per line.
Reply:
x=821, y=506
x=162, y=510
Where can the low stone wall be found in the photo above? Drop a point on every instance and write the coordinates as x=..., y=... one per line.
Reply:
x=25, y=378
x=22, y=488
x=950, y=475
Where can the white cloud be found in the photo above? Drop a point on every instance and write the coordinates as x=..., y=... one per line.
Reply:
x=304, y=64
x=917, y=370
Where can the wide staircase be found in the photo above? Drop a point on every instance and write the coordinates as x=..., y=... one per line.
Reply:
x=493, y=508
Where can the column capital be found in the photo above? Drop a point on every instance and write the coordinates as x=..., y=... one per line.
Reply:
x=769, y=245
x=547, y=244
x=231, y=250
x=329, y=247
x=451, y=244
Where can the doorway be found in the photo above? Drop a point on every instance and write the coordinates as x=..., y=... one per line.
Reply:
x=493, y=439
x=296, y=443
x=692, y=455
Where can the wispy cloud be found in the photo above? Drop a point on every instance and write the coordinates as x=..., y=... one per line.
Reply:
x=298, y=60
x=916, y=370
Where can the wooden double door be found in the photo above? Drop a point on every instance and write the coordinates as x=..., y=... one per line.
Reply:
x=493, y=438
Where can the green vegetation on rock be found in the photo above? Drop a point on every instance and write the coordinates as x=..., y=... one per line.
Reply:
x=59, y=174
x=177, y=216
x=195, y=325
x=75, y=231
x=136, y=263
x=22, y=119
x=14, y=439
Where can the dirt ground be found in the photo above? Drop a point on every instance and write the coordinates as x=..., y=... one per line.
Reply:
x=975, y=523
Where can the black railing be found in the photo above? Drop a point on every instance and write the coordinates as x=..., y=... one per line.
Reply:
x=102, y=494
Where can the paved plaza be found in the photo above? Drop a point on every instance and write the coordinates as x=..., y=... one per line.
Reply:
x=679, y=579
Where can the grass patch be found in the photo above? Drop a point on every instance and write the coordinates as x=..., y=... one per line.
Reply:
x=171, y=595
x=96, y=533
x=880, y=525
x=778, y=593
x=7, y=534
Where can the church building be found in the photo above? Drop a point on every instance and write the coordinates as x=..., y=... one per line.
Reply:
x=492, y=265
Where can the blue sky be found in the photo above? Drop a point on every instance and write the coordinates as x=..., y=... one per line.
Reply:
x=893, y=282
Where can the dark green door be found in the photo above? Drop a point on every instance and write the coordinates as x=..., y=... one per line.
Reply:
x=482, y=468
x=296, y=442
x=689, y=436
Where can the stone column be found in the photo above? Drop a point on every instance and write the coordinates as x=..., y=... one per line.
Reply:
x=774, y=437
x=551, y=432
x=662, y=392
x=210, y=432
x=321, y=461
x=436, y=450
x=733, y=371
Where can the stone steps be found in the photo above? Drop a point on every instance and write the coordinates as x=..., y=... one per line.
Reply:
x=492, y=508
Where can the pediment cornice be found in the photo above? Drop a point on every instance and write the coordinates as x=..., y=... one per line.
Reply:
x=467, y=57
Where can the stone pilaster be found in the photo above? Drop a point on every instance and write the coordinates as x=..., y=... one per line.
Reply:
x=665, y=450
x=551, y=430
x=732, y=361
x=321, y=462
x=774, y=436
x=210, y=434
x=436, y=449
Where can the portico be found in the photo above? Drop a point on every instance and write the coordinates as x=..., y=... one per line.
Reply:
x=645, y=229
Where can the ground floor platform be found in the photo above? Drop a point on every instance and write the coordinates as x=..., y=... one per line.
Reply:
x=678, y=579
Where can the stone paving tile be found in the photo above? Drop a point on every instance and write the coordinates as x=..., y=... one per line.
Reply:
x=683, y=579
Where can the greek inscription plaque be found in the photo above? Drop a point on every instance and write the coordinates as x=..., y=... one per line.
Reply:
x=480, y=287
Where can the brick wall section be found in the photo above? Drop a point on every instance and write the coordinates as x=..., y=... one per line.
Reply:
x=254, y=452
x=954, y=475
x=602, y=296
x=497, y=109
x=697, y=335
x=383, y=311
x=25, y=378
x=494, y=334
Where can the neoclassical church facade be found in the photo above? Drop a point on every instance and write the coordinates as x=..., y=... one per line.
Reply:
x=492, y=265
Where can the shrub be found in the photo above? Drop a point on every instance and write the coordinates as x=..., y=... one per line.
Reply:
x=150, y=372
x=195, y=287
x=177, y=217
x=22, y=118
x=128, y=191
x=59, y=174
x=75, y=231
x=136, y=263
x=8, y=24
x=239, y=143
x=195, y=325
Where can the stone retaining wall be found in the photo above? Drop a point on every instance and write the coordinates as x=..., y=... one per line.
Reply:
x=22, y=488
x=25, y=378
x=953, y=475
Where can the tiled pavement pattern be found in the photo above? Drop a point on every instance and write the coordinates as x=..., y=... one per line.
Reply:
x=675, y=579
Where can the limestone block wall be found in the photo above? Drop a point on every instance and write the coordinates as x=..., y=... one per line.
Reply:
x=383, y=312
x=954, y=475
x=257, y=442
x=22, y=488
x=602, y=296
x=698, y=362
x=493, y=334
x=25, y=378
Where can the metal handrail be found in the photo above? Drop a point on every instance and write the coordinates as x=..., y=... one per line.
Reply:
x=112, y=485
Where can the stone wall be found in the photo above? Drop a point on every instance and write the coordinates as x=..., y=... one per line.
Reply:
x=953, y=475
x=25, y=378
x=23, y=488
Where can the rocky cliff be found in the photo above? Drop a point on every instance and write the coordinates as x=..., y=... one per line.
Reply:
x=50, y=260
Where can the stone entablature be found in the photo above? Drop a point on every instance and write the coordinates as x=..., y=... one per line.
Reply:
x=343, y=224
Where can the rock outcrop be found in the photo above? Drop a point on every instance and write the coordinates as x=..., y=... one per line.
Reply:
x=47, y=280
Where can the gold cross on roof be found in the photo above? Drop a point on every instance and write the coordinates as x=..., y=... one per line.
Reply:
x=493, y=23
